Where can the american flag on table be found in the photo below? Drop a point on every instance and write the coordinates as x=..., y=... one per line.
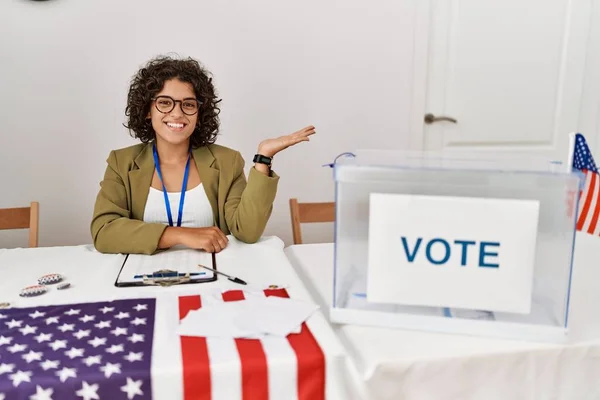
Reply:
x=104, y=351
x=589, y=196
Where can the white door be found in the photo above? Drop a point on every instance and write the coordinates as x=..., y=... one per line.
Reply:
x=510, y=72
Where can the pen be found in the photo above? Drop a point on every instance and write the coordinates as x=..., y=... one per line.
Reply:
x=231, y=278
x=169, y=275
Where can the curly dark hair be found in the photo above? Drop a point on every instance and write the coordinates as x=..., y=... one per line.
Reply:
x=150, y=80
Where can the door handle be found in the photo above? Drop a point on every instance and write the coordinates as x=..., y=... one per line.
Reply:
x=430, y=119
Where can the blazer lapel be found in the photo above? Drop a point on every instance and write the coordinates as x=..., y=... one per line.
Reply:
x=140, y=180
x=209, y=177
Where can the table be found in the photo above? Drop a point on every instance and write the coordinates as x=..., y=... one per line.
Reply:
x=403, y=364
x=92, y=276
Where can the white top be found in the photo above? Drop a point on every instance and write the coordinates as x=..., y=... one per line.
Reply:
x=197, y=211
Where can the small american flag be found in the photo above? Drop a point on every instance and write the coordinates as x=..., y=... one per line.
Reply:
x=589, y=196
x=78, y=351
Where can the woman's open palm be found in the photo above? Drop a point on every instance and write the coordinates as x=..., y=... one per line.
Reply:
x=270, y=147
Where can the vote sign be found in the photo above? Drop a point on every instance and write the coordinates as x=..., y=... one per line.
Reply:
x=460, y=252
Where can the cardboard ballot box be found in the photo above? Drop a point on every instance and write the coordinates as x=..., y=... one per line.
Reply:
x=454, y=244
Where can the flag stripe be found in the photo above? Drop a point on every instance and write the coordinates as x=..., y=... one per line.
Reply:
x=589, y=194
x=590, y=179
x=225, y=369
x=195, y=359
x=282, y=365
x=255, y=376
x=233, y=295
x=311, y=359
x=595, y=204
x=225, y=363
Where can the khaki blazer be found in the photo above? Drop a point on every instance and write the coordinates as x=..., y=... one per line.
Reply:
x=240, y=208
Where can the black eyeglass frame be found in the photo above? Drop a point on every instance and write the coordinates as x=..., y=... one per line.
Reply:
x=198, y=101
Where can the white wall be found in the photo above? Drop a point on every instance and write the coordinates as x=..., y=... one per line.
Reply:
x=589, y=121
x=278, y=65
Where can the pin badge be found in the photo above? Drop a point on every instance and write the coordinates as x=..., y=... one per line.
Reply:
x=34, y=290
x=50, y=279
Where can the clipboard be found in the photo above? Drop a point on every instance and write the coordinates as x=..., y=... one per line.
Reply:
x=165, y=270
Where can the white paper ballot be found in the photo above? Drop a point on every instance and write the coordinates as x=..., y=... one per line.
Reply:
x=216, y=320
x=274, y=315
x=255, y=317
x=182, y=260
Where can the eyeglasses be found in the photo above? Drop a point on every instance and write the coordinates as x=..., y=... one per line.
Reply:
x=166, y=104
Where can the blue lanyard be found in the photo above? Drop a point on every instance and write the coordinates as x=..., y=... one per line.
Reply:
x=183, y=187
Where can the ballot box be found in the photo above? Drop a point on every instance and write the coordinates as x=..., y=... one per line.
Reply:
x=455, y=243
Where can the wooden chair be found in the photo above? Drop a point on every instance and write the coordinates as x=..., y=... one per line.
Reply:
x=22, y=218
x=309, y=212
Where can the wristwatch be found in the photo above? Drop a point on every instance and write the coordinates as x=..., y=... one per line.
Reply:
x=259, y=158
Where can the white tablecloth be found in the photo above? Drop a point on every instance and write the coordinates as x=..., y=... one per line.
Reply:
x=403, y=364
x=92, y=277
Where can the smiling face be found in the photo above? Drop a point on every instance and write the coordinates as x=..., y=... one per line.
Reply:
x=174, y=126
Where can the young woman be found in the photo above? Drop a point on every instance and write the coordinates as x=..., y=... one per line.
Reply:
x=177, y=187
